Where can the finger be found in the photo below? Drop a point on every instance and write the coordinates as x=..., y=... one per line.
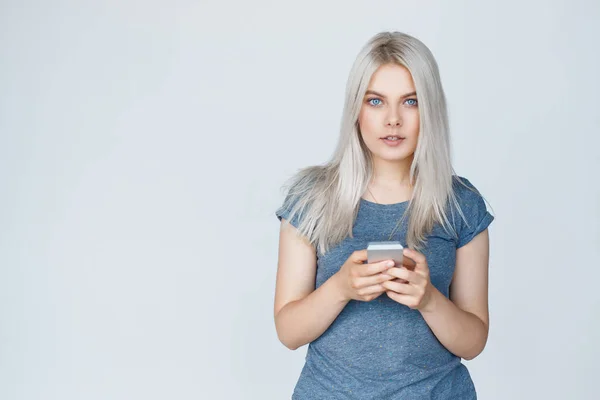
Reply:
x=399, y=287
x=404, y=273
x=373, y=289
x=407, y=300
x=375, y=268
x=372, y=280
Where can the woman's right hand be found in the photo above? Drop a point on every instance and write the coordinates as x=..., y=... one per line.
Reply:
x=358, y=281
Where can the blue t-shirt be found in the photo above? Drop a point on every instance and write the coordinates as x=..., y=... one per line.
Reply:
x=382, y=349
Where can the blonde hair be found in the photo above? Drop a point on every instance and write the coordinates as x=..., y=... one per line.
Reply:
x=327, y=197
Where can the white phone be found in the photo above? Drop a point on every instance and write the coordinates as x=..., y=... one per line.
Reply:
x=390, y=250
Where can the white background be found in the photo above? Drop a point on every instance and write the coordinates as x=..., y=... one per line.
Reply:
x=143, y=145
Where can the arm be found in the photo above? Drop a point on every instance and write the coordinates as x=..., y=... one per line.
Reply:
x=302, y=313
x=461, y=324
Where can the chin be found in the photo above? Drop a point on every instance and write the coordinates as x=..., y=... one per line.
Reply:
x=395, y=159
x=392, y=156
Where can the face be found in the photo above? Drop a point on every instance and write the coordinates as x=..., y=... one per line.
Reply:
x=390, y=108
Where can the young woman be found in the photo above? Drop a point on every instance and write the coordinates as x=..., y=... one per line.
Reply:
x=378, y=331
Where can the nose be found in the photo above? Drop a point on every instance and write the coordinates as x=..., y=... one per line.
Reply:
x=393, y=118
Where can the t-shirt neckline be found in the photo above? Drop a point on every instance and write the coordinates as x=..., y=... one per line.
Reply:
x=378, y=205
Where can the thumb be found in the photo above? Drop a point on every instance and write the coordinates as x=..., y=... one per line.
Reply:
x=359, y=256
x=418, y=260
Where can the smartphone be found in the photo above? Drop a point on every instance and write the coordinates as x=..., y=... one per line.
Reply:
x=389, y=250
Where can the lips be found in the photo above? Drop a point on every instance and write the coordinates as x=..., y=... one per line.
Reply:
x=393, y=136
x=392, y=143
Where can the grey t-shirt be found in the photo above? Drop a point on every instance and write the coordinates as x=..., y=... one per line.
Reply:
x=382, y=349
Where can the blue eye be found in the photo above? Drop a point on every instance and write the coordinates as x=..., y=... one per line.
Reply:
x=415, y=102
x=370, y=102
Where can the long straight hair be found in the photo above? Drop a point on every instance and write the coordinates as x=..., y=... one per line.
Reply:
x=327, y=196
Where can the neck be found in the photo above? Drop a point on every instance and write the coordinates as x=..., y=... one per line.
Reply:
x=391, y=174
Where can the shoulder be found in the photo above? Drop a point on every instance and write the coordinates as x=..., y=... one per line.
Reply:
x=463, y=187
x=471, y=215
x=298, y=191
x=466, y=193
x=300, y=186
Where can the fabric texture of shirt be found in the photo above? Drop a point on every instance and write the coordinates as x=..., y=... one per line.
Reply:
x=382, y=349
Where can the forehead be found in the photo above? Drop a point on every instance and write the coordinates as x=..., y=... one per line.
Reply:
x=392, y=80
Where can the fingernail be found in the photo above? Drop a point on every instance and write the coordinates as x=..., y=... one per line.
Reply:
x=390, y=264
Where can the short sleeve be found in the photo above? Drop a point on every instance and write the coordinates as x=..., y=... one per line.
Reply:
x=284, y=211
x=475, y=212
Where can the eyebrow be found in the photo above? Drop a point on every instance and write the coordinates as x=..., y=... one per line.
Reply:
x=381, y=95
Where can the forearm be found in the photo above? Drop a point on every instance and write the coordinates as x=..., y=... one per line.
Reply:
x=461, y=332
x=302, y=321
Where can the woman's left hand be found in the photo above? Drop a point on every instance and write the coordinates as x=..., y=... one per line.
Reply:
x=413, y=288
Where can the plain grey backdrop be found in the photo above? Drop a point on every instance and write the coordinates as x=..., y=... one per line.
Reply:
x=143, y=145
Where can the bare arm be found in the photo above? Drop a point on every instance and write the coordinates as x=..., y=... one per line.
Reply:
x=461, y=324
x=302, y=313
